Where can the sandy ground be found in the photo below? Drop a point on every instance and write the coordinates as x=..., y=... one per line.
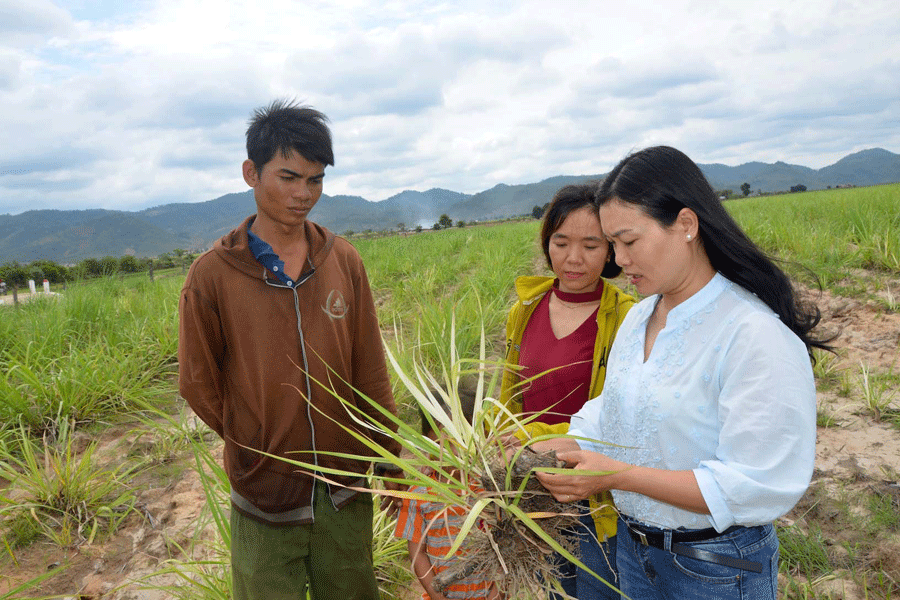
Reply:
x=857, y=453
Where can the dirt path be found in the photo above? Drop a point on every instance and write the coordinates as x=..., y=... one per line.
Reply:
x=7, y=298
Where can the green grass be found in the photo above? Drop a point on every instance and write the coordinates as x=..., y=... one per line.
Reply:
x=878, y=391
x=89, y=354
x=825, y=369
x=825, y=417
x=830, y=231
x=843, y=534
x=804, y=552
x=61, y=493
x=885, y=512
x=420, y=280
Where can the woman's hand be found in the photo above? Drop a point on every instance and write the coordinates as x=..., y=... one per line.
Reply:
x=575, y=486
x=678, y=488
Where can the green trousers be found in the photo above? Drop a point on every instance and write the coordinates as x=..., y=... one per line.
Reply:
x=332, y=555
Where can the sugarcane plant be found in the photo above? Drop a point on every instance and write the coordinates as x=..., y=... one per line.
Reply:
x=513, y=525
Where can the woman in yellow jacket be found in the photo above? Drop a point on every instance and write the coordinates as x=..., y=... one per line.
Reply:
x=561, y=328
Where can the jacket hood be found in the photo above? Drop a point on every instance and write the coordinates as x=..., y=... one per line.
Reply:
x=530, y=287
x=234, y=247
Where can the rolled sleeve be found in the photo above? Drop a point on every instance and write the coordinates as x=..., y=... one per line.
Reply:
x=586, y=424
x=719, y=511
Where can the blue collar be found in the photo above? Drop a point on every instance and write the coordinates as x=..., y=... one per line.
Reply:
x=266, y=256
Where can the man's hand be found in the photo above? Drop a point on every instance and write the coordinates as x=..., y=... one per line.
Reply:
x=391, y=504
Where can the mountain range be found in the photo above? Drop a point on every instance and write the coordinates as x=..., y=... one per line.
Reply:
x=68, y=236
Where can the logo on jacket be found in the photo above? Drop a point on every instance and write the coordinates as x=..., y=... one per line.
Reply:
x=335, y=306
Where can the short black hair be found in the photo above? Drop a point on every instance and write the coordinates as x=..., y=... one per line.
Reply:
x=285, y=126
x=466, y=403
x=567, y=200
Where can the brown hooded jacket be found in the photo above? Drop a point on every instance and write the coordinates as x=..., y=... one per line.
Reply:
x=263, y=364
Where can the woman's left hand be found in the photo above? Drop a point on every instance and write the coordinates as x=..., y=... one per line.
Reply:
x=575, y=486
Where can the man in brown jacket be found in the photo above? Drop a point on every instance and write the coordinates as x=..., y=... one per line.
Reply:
x=277, y=325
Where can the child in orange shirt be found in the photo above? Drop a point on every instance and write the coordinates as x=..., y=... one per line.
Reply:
x=431, y=528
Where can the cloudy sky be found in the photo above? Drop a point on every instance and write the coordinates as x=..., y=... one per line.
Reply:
x=127, y=105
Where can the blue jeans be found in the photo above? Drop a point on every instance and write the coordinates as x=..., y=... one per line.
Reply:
x=651, y=573
x=599, y=557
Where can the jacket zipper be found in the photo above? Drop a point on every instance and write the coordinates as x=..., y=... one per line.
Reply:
x=312, y=427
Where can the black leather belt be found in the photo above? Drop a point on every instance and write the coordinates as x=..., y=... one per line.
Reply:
x=657, y=539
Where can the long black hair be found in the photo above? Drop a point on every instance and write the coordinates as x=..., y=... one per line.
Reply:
x=661, y=181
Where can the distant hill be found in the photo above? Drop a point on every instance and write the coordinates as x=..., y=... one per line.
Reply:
x=863, y=168
x=868, y=167
x=70, y=236
x=502, y=201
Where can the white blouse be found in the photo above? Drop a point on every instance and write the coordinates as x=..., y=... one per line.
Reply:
x=727, y=391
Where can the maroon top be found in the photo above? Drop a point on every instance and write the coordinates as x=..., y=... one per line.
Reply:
x=565, y=389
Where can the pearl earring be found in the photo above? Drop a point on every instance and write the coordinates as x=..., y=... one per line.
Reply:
x=689, y=237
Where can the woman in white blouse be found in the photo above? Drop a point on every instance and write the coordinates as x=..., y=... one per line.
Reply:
x=709, y=399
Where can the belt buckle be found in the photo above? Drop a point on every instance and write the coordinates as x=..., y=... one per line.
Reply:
x=642, y=537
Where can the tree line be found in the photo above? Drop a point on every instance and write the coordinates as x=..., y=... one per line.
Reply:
x=538, y=211
x=15, y=274
x=444, y=222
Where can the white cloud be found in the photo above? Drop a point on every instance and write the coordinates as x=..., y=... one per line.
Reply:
x=23, y=20
x=128, y=106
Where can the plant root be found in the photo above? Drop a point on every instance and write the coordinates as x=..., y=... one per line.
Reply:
x=504, y=550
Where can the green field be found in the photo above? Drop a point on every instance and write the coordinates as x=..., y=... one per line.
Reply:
x=104, y=353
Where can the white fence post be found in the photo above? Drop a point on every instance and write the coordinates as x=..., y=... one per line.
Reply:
x=46, y=287
x=31, y=285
